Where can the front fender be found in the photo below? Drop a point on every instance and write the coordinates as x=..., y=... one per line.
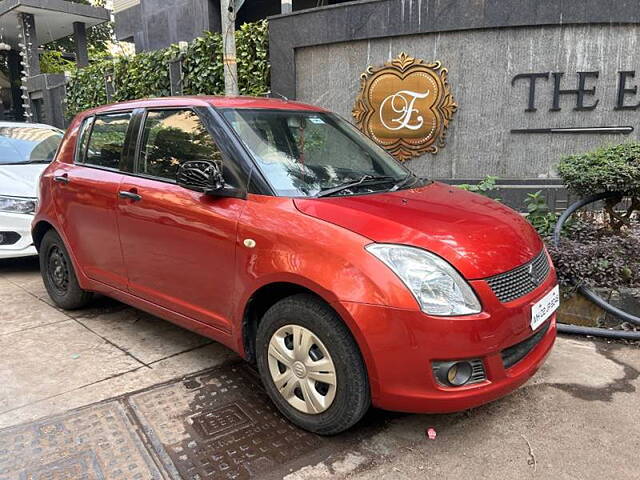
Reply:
x=289, y=246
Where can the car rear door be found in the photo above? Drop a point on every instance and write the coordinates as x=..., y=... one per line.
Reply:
x=178, y=245
x=86, y=195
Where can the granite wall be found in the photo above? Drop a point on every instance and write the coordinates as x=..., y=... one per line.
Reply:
x=482, y=65
x=318, y=56
x=155, y=24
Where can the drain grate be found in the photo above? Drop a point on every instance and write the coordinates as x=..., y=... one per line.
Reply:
x=220, y=425
x=94, y=443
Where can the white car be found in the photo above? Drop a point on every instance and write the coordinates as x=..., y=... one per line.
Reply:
x=25, y=151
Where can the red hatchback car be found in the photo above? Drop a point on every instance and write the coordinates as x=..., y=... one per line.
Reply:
x=279, y=230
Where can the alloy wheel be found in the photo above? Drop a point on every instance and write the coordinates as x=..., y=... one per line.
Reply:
x=302, y=369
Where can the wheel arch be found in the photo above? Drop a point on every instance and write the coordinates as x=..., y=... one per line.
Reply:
x=38, y=232
x=259, y=302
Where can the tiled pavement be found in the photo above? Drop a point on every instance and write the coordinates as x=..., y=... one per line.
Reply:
x=215, y=425
x=110, y=392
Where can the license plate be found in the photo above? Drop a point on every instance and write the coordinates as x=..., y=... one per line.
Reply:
x=544, y=308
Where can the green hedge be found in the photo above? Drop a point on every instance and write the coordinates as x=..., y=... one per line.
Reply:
x=147, y=74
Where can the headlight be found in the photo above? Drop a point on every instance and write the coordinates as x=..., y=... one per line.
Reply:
x=438, y=287
x=17, y=205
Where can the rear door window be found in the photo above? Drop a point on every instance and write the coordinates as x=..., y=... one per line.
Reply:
x=106, y=142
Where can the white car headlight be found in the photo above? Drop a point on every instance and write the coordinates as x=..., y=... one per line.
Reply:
x=437, y=286
x=17, y=205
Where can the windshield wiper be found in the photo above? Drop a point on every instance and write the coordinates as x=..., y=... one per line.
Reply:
x=403, y=182
x=364, y=180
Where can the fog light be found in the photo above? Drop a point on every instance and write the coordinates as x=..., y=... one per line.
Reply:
x=453, y=374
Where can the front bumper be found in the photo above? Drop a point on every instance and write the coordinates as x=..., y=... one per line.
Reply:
x=400, y=346
x=21, y=225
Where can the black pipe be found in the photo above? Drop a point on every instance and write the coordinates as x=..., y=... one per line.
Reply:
x=597, y=332
x=587, y=292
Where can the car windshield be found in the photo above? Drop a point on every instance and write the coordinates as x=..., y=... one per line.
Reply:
x=314, y=154
x=19, y=145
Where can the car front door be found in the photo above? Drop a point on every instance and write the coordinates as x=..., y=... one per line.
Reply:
x=85, y=193
x=178, y=245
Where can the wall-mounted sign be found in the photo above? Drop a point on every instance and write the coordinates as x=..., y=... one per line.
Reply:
x=405, y=106
x=585, y=99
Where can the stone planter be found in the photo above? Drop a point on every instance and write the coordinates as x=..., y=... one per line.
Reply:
x=577, y=310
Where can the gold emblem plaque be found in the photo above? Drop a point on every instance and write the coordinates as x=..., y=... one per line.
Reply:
x=405, y=106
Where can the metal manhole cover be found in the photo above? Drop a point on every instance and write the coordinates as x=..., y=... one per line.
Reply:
x=219, y=425
x=93, y=443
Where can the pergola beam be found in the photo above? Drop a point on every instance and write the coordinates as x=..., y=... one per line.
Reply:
x=286, y=6
x=80, y=44
x=30, y=43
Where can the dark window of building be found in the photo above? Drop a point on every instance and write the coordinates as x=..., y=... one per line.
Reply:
x=106, y=144
x=172, y=137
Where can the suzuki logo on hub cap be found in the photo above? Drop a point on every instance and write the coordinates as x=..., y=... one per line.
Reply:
x=405, y=106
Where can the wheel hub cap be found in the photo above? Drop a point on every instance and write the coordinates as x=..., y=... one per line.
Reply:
x=299, y=369
x=58, y=270
x=302, y=369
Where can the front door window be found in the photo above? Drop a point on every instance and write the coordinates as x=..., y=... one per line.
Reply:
x=172, y=137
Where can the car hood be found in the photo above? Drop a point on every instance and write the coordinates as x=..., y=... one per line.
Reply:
x=478, y=236
x=20, y=180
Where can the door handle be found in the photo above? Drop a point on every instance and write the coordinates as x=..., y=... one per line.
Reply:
x=129, y=195
x=64, y=178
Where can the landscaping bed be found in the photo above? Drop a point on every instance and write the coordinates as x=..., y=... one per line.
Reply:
x=599, y=246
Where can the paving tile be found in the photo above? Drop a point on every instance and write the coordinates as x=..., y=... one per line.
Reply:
x=20, y=310
x=43, y=362
x=162, y=371
x=31, y=282
x=220, y=425
x=95, y=443
x=145, y=336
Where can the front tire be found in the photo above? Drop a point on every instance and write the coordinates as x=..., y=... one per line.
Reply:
x=58, y=274
x=311, y=366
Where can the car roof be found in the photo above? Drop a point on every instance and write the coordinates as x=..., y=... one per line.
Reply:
x=216, y=101
x=28, y=125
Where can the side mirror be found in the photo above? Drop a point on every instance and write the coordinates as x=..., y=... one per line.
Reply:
x=205, y=176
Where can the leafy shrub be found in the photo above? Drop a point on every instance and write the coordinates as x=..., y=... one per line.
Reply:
x=595, y=257
x=539, y=215
x=147, y=74
x=51, y=61
x=486, y=186
x=610, y=169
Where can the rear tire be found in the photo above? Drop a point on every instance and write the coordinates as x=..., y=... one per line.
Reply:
x=58, y=274
x=322, y=383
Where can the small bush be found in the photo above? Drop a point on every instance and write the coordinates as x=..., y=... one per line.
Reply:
x=539, y=215
x=593, y=256
x=610, y=169
x=486, y=186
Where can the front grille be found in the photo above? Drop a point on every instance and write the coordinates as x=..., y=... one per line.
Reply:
x=9, y=238
x=515, y=283
x=512, y=355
